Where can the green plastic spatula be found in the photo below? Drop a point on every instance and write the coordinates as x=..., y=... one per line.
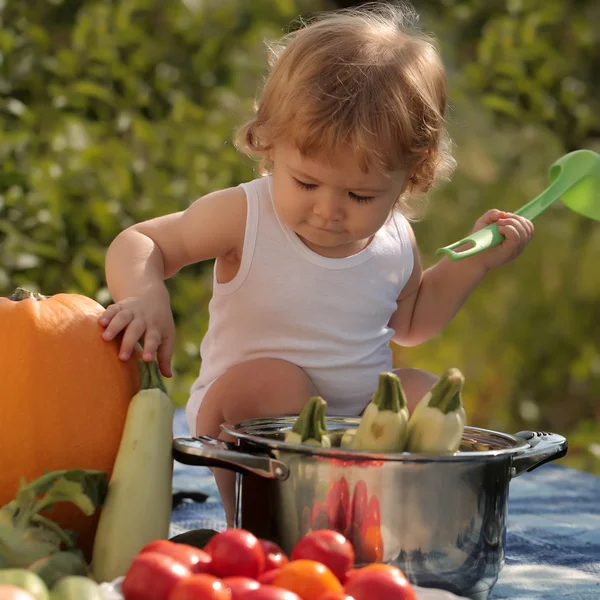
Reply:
x=574, y=178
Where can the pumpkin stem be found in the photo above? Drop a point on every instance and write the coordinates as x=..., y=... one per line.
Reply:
x=23, y=294
x=150, y=376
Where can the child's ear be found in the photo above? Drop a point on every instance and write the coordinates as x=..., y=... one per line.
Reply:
x=406, y=180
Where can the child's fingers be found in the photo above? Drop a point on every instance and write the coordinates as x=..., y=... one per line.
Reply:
x=514, y=231
x=514, y=222
x=134, y=332
x=491, y=216
x=118, y=322
x=526, y=228
x=525, y=223
x=529, y=226
x=165, y=368
x=519, y=224
x=152, y=340
x=106, y=317
x=165, y=352
x=511, y=236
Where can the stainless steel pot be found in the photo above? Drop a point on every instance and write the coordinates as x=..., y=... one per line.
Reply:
x=442, y=519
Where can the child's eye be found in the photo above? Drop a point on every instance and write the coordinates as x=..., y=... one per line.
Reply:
x=305, y=186
x=361, y=198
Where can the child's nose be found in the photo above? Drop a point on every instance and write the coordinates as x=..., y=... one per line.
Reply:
x=329, y=207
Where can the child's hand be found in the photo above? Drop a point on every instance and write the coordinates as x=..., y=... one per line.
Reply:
x=148, y=317
x=517, y=231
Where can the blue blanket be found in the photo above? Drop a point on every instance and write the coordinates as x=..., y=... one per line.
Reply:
x=552, y=542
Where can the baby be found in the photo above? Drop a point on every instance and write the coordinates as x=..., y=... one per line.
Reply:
x=317, y=269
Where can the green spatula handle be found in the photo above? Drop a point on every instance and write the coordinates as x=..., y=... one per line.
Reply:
x=485, y=238
x=489, y=236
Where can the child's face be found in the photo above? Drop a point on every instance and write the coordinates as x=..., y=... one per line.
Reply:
x=332, y=205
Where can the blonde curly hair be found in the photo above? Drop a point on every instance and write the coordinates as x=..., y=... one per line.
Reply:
x=365, y=81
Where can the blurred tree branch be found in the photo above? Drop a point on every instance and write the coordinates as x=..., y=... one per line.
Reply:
x=529, y=61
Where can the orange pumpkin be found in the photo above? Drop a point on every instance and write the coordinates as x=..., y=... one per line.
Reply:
x=65, y=394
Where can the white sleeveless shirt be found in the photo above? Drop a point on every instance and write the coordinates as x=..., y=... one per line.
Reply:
x=329, y=316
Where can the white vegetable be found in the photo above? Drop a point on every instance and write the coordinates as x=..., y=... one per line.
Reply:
x=76, y=587
x=347, y=440
x=137, y=509
x=383, y=426
x=438, y=421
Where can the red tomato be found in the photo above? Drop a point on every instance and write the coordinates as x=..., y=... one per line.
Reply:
x=270, y=592
x=200, y=587
x=12, y=592
x=151, y=576
x=236, y=552
x=336, y=596
x=349, y=574
x=370, y=545
x=359, y=503
x=267, y=577
x=275, y=557
x=338, y=505
x=239, y=586
x=380, y=567
x=328, y=547
x=358, y=514
x=196, y=560
x=320, y=518
x=367, y=542
x=373, y=583
x=373, y=517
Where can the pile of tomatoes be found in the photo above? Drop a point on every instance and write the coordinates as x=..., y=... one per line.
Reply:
x=236, y=565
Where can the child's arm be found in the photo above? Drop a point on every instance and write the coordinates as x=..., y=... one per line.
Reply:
x=144, y=255
x=431, y=299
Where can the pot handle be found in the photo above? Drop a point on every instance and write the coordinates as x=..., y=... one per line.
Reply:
x=543, y=447
x=210, y=452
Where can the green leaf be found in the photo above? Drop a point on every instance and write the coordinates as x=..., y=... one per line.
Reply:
x=20, y=547
x=91, y=90
x=71, y=491
x=53, y=568
x=86, y=489
x=86, y=280
x=90, y=488
x=500, y=104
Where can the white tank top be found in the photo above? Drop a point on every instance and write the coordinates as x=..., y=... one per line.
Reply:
x=329, y=316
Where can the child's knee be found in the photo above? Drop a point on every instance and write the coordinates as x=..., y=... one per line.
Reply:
x=265, y=387
x=415, y=383
x=274, y=376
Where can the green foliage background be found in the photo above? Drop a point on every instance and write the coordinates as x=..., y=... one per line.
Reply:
x=114, y=112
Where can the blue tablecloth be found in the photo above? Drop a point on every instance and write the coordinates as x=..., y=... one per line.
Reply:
x=553, y=532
